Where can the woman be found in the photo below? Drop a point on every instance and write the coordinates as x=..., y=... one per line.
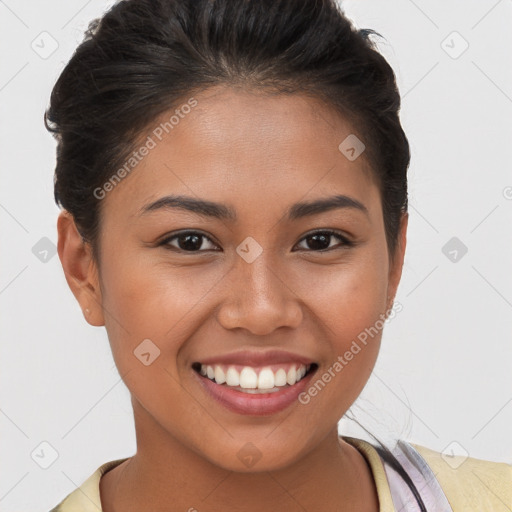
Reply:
x=233, y=178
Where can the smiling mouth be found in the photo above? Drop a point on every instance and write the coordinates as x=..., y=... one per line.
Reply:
x=255, y=380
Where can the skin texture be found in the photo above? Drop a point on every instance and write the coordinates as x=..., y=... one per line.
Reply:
x=257, y=153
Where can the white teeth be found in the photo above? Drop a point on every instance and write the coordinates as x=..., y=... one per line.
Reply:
x=280, y=378
x=266, y=379
x=248, y=378
x=220, y=378
x=291, y=376
x=232, y=377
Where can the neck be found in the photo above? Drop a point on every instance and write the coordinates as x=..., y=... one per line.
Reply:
x=166, y=475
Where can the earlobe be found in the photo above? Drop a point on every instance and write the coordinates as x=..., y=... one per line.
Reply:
x=80, y=269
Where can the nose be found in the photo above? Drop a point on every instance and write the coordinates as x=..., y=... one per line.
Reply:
x=258, y=299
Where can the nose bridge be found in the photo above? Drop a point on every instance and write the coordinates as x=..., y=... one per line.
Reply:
x=260, y=278
x=259, y=299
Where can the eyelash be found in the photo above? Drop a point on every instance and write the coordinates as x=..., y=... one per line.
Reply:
x=345, y=242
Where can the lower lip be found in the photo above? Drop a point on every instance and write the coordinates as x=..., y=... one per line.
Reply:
x=259, y=404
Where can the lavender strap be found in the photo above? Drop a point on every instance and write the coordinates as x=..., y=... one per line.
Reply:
x=430, y=491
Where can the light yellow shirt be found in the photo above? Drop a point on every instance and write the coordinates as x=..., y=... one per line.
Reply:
x=474, y=486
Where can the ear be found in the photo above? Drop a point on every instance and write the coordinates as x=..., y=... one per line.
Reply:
x=396, y=264
x=80, y=269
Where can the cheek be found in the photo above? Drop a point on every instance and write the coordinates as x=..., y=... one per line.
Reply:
x=148, y=299
x=349, y=303
x=355, y=303
x=349, y=297
x=144, y=306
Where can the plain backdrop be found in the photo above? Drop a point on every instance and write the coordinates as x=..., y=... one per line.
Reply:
x=443, y=378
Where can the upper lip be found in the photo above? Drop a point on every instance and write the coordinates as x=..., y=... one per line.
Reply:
x=257, y=358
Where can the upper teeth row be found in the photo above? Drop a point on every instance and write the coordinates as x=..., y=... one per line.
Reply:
x=247, y=378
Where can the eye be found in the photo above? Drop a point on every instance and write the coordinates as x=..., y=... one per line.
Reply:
x=193, y=241
x=321, y=240
x=189, y=241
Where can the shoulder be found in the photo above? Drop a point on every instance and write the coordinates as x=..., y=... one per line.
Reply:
x=86, y=498
x=470, y=483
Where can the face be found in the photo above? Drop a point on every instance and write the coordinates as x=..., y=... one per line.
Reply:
x=255, y=289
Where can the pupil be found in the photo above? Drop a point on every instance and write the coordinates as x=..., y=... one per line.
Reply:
x=190, y=242
x=316, y=239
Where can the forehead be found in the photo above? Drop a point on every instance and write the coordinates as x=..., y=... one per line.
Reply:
x=247, y=148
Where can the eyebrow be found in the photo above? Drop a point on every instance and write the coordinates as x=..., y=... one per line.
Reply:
x=220, y=211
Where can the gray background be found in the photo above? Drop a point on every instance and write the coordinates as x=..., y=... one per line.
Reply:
x=443, y=376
